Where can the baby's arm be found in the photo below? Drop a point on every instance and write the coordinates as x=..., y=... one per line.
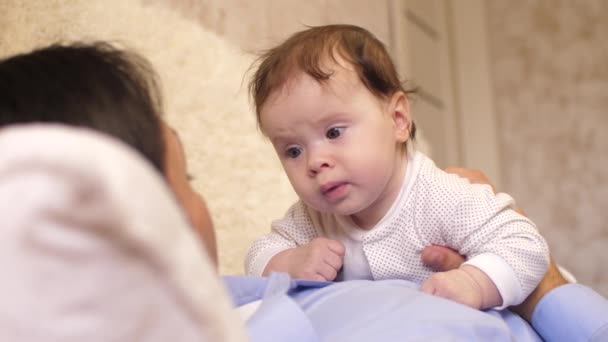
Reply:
x=474, y=221
x=467, y=285
x=444, y=259
x=506, y=248
x=320, y=259
x=503, y=244
x=294, y=246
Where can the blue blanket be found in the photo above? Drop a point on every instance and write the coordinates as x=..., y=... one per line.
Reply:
x=362, y=310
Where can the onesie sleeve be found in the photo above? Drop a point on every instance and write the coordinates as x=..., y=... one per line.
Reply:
x=502, y=243
x=293, y=230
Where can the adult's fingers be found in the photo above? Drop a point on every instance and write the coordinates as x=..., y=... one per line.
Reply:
x=474, y=176
x=441, y=258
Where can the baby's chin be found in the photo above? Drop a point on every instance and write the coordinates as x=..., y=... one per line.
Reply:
x=342, y=208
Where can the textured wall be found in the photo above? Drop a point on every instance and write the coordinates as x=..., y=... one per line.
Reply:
x=254, y=25
x=550, y=70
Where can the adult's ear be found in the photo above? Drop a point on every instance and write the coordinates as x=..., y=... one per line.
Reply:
x=399, y=109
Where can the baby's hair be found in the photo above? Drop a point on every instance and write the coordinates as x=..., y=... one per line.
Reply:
x=308, y=51
x=91, y=85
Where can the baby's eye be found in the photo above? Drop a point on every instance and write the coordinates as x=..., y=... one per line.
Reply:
x=334, y=132
x=293, y=152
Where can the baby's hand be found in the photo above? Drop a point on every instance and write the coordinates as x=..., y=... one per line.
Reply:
x=467, y=285
x=320, y=259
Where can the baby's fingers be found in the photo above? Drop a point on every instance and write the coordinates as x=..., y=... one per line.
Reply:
x=438, y=284
x=428, y=287
x=336, y=247
x=327, y=272
x=333, y=260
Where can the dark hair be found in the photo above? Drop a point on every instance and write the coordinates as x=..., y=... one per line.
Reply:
x=88, y=85
x=308, y=50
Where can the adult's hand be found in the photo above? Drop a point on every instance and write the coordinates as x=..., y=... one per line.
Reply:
x=474, y=176
x=441, y=258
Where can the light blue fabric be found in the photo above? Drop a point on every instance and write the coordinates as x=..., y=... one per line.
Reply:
x=362, y=310
x=572, y=312
x=394, y=310
x=279, y=316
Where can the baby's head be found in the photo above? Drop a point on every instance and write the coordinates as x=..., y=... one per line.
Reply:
x=317, y=52
x=330, y=101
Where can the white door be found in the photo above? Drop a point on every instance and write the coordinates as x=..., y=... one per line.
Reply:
x=441, y=46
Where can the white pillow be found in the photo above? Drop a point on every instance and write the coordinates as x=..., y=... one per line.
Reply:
x=94, y=248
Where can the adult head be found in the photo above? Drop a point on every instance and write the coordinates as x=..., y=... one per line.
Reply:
x=89, y=85
x=111, y=90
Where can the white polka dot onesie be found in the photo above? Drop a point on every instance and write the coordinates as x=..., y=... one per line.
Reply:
x=433, y=208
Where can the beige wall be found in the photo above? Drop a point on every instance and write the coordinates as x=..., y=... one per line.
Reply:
x=550, y=71
x=255, y=25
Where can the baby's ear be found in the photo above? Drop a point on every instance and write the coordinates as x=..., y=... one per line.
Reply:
x=399, y=108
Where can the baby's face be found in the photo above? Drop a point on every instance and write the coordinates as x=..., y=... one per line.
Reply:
x=339, y=144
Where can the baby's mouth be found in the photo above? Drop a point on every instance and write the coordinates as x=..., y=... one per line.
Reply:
x=333, y=190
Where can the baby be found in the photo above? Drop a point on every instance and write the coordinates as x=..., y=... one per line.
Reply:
x=330, y=101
